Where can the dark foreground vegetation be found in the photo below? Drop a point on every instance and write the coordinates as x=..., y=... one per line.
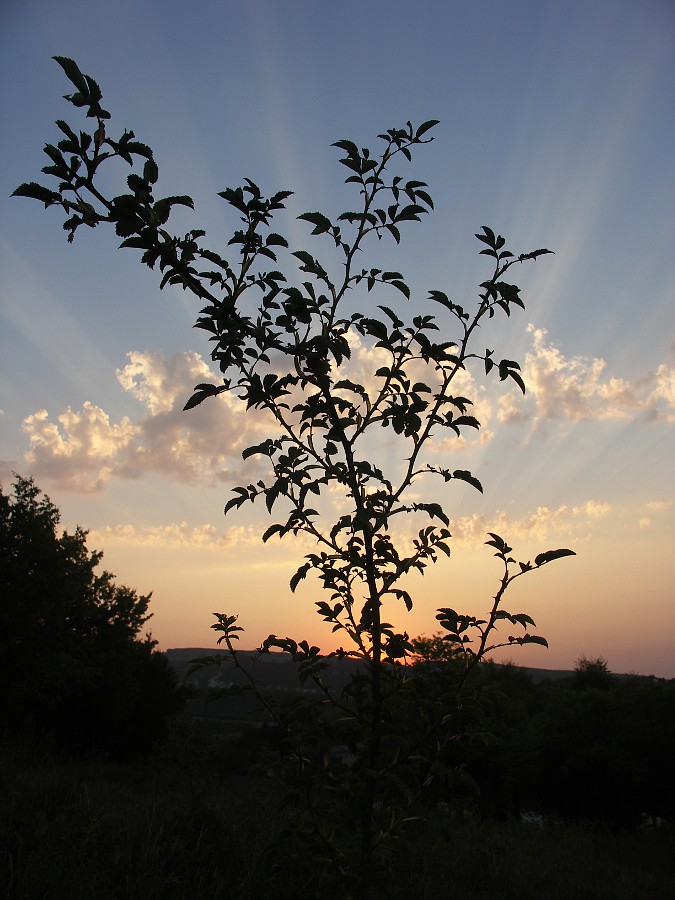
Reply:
x=203, y=816
x=170, y=832
x=181, y=829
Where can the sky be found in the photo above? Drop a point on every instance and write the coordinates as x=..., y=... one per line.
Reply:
x=556, y=130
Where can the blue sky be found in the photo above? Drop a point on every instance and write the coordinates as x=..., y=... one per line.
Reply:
x=557, y=130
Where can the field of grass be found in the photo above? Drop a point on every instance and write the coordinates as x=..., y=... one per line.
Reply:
x=191, y=824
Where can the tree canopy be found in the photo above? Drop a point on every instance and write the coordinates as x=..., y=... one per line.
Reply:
x=77, y=668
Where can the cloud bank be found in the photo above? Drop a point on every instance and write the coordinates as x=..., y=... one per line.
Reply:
x=84, y=449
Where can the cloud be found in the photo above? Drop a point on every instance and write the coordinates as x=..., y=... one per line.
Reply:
x=573, y=388
x=664, y=392
x=160, y=382
x=177, y=535
x=541, y=524
x=83, y=449
x=654, y=507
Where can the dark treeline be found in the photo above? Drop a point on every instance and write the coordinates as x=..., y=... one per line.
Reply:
x=593, y=747
x=590, y=747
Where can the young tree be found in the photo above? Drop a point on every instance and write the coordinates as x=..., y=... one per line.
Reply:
x=591, y=673
x=284, y=335
x=75, y=671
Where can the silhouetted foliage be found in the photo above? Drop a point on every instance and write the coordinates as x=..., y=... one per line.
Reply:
x=604, y=752
x=598, y=753
x=179, y=829
x=591, y=673
x=286, y=348
x=76, y=675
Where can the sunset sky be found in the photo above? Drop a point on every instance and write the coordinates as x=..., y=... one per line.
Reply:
x=557, y=129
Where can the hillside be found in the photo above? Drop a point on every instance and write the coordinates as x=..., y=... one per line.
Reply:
x=275, y=675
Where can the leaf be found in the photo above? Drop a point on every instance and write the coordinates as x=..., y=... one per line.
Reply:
x=435, y=510
x=273, y=529
x=426, y=126
x=139, y=149
x=529, y=639
x=239, y=500
x=395, y=233
x=441, y=298
x=469, y=421
x=276, y=240
x=202, y=391
x=403, y=288
x=397, y=323
x=322, y=223
x=533, y=255
x=150, y=171
x=488, y=237
x=464, y=475
x=263, y=449
x=508, y=368
x=405, y=596
x=73, y=72
x=550, y=555
x=348, y=146
x=277, y=200
x=37, y=192
x=498, y=543
x=376, y=328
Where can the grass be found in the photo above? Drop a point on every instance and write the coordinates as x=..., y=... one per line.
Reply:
x=190, y=825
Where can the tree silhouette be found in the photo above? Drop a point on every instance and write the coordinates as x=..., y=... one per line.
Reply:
x=591, y=673
x=78, y=674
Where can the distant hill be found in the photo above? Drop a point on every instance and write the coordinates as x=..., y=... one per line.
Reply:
x=276, y=670
x=275, y=675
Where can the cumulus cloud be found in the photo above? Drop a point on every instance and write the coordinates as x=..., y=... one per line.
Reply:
x=83, y=449
x=80, y=449
x=178, y=535
x=574, y=388
x=161, y=382
x=654, y=507
x=664, y=392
